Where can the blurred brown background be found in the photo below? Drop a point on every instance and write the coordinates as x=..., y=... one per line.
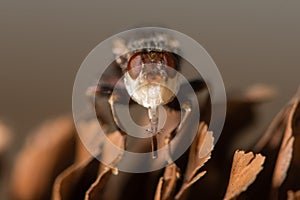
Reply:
x=42, y=44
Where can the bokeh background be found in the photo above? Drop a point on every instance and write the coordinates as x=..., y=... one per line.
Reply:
x=42, y=44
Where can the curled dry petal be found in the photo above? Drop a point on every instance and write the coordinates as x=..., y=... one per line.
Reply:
x=283, y=162
x=285, y=152
x=5, y=144
x=259, y=93
x=49, y=151
x=244, y=170
x=199, y=154
x=95, y=190
x=5, y=138
x=291, y=195
x=167, y=184
x=75, y=180
x=89, y=135
x=87, y=178
x=273, y=135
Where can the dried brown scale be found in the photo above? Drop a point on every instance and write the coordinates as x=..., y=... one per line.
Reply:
x=167, y=184
x=293, y=195
x=75, y=180
x=245, y=168
x=200, y=152
x=80, y=176
x=219, y=165
x=285, y=153
x=6, y=141
x=291, y=181
x=96, y=189
x=49, y=151
x=280, y=152
x=6, y=138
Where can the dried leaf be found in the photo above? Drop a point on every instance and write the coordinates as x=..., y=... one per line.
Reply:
x=187, y=185
x=91, y=137
x=285, y=152
x=255, y=94
x=296, y=134
x=200, y=153
x=50, y=150
x=244, y=170
x=167, y=184
x=5, y=143
x=291, y=195
x=81, y=180
x=233, y=135
x=95, y=138
x=158, y=193
x=95, y=191
x=279, y=143
x=274, y=133
x=283, y=162
x=5, y=138
x=259, y=93
x=75, y=180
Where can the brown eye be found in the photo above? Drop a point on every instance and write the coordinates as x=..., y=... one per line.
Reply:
x=134, y=66
x=169, y=61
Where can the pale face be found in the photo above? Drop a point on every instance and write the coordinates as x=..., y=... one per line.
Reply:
x=151, y=78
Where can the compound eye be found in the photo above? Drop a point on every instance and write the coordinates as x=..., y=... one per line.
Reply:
x=134, y=66
x=169, y=61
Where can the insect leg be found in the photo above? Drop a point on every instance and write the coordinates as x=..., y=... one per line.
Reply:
x=113, y=99
x=186, y=107
x=153, y=115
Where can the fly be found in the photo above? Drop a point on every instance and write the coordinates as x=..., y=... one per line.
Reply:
x=149, y=64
